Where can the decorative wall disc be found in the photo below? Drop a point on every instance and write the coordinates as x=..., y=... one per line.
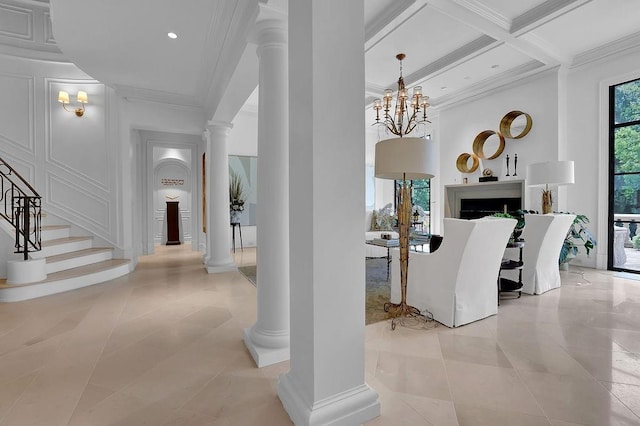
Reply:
x=507, y=121
x=478, y=144
x=462, y=163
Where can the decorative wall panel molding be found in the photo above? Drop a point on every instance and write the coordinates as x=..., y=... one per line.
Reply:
x=48, y=30
x=16, y=22
x=77, y=202
x=67, y=137
x=17, y=116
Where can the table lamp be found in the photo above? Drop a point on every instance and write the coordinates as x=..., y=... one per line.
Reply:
x=404, y=159
x=550, y=173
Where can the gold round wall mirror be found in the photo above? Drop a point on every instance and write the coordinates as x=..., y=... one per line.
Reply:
x=462, y=163
x=517, y=122
x=490, y=140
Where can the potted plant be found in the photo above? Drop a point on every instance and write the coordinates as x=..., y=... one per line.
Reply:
x=635, y=241
x=517, y=231
x=577, y=236
x=236, y=198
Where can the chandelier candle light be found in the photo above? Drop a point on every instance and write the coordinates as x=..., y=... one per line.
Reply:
x=403, y=158
x=419, y=103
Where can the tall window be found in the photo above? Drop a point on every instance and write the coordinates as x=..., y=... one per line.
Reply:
x=420, y=196
x=624, y=139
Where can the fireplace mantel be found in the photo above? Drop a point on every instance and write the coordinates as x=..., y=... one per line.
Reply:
x=454, y=194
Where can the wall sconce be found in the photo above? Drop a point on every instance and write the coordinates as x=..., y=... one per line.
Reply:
x=63, y=98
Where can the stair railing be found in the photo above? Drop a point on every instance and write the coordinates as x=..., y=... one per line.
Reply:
x=20, y=205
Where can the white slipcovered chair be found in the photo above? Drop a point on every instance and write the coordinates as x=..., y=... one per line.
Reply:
x=458, y=282
x=543, y=237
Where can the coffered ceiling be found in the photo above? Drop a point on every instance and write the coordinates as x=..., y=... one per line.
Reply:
x=454, y=48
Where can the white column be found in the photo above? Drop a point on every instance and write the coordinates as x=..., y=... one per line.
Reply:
x=326, y=382
x=268, y=338
x=218, y=257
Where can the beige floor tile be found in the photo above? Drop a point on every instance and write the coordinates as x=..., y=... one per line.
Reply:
x=407, y=341
x=543, y=358
x=629, y=340
x=412, y=375
x=434, y=411
x=469, y=415
x=164, y=346
x=576, y=399
x=51, y=397
x=11, y=391
x=618, y=367
x=117, y=370
x=490, y=387
x=471, y=349
x=628, y=394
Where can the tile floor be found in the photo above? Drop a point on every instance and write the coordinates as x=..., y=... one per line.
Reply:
x=163, y=346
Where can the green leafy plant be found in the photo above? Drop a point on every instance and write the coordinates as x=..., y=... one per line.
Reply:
x=635, y=241
x=519, y=216
x=577, y=236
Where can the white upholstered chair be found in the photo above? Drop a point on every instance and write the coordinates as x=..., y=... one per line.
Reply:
x=543, y=237
x=458, y=282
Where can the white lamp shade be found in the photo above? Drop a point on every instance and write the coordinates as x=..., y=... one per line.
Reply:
x=405, y=158
x=550, y=173
x=63, y=97
x=82, y=97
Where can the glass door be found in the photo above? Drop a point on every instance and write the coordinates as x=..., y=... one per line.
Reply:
x=624, y=177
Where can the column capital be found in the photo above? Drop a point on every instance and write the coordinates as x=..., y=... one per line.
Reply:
x=218, y=127
x=269, y=30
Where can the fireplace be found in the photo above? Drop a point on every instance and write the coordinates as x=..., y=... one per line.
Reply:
x=474, y=208
x=473, y=200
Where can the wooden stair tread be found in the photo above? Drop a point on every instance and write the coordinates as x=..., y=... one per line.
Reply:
x=77, y=253
x=58, y=241
x=52, y=227
x=75, y=272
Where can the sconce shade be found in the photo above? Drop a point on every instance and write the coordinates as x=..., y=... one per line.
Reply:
x=550, y=173
x=63, y=97
x=82, y=97
x=405, y=158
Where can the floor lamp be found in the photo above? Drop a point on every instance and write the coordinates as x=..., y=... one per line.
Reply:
x=404, y=159
x=550, y=173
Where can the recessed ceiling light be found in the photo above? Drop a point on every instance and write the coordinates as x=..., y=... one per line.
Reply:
x=467, y=78
x=172, y=35
x=495, y=66
x=443, y=88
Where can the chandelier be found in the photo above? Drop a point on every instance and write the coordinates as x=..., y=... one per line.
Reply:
x=400, y=121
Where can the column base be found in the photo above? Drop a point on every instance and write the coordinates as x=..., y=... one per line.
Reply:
x=264, y=356
x=214, y=269
x=352, y=407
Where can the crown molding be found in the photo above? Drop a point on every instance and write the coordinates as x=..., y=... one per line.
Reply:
x=156, y=96
x=485, y=12
x=47, y=54
x=630, y=42
x=526, y=72
x=383, y=19
x=456, y=57
x=543, y=13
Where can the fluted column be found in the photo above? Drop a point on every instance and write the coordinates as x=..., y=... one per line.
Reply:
x=268, y=338
x=218, y=257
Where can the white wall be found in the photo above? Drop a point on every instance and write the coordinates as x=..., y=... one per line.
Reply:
x=587, y=140
x=460, y=124
x=71, y=161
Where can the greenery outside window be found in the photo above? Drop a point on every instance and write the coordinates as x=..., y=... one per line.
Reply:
x=624, y=164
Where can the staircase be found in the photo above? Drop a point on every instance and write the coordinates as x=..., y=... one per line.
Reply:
x=71, y=263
